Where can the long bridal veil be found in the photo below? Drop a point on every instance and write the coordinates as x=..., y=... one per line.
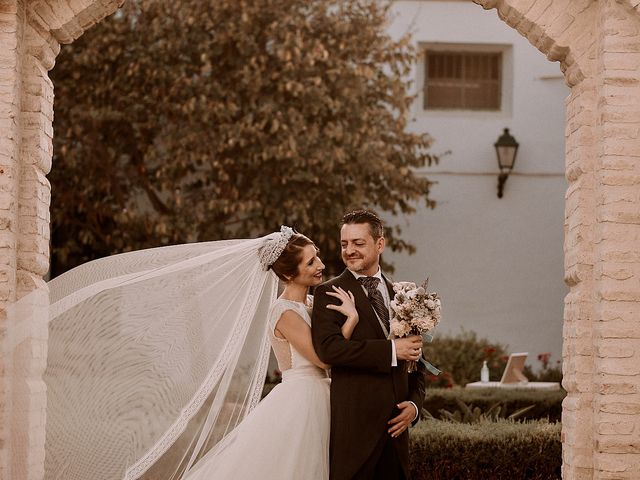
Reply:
x=153, y=357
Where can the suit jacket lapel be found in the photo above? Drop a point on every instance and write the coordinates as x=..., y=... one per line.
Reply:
x=391, y=294
x=363, y=304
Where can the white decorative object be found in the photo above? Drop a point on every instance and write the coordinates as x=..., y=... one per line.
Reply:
x=484, y=372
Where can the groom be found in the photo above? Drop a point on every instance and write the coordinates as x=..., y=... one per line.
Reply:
x=373, y=398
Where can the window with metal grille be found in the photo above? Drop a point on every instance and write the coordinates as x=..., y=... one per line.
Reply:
x=462, y=80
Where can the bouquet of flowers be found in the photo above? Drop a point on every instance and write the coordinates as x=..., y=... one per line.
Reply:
x=415, y=312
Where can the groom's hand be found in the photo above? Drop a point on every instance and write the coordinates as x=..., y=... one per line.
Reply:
x=409, y=348
x=402, y=421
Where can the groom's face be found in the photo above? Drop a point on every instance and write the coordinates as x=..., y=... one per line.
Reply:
x=360, y=251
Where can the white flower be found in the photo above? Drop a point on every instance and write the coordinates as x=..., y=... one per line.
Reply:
x=399, y=287
x=400, y=329
x=424, y=324
x=415, y=309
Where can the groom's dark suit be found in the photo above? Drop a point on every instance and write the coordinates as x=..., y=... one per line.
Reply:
x=365, y=388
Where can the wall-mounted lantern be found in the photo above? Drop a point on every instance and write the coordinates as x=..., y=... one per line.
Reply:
x=506, y=150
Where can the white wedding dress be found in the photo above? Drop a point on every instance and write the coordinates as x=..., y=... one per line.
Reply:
x=286, y=437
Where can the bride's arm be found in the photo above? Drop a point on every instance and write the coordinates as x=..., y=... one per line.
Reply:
x=348, y=327
x=372, y=354
x=347, y=308
x=295, y=330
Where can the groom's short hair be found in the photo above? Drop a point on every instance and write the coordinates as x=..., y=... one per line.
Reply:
x=365, y=216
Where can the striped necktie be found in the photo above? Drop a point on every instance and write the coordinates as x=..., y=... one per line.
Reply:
x=375, y=297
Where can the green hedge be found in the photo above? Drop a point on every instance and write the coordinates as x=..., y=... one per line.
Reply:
x=548, y=404
x=486, y=450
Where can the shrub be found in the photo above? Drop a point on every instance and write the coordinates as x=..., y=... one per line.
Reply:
x=486, y=450
x=473, y=414
x=460, y=358
x=546, y=404
x=547, y=372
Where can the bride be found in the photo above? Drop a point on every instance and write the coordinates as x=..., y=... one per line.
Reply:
x=157, y=359
x=287, y=435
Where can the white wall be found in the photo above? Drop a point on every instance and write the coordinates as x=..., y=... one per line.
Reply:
x=497, y=263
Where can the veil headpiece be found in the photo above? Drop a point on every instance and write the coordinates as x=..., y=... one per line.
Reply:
x=154, y=356
x=274, y=245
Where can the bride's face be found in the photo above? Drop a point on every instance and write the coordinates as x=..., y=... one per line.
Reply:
x=310, y=268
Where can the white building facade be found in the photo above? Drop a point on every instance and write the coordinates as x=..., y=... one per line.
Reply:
x=497, y=262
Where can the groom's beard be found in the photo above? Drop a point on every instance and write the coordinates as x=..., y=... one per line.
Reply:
x=359, y=264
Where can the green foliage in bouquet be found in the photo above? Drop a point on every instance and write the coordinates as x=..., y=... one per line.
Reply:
x=500, y=450
x=194, y=120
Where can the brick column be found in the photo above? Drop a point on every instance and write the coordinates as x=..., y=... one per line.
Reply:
x=30, y=33
x=29, y=329
x=12, y=24
x=617, y=247
x=578, y=366
x=25, y=159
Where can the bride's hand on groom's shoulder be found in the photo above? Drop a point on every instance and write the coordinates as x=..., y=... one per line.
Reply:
x=347, y=306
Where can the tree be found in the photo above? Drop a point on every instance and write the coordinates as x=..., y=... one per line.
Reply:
x=199, y=120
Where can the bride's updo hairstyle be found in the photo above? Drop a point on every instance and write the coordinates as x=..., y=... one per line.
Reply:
x=286, y=266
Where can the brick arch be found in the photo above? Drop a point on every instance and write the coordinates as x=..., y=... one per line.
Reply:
x=66, y=20
x=601, y=434
x=547, y=28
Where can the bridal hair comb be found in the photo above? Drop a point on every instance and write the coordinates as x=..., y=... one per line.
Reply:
x=274, y=245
